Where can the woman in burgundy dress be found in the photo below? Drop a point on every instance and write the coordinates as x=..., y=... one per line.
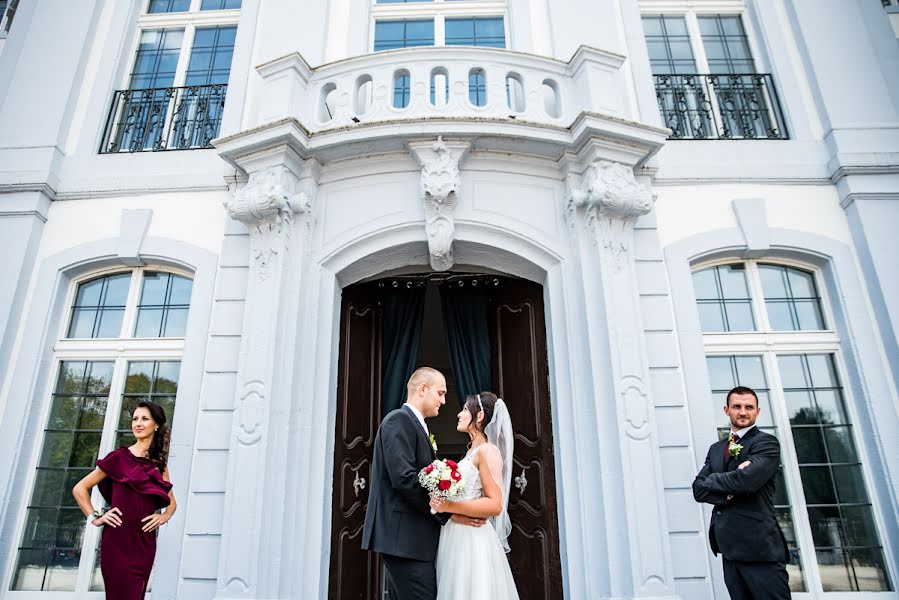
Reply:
x=134, y=481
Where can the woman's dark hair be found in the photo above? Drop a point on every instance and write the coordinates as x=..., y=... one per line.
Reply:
x=159, y=447
x=488, y=401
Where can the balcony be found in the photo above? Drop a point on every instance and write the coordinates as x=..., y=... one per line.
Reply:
x=720, y=107
x=175, y=118
x=503, y=100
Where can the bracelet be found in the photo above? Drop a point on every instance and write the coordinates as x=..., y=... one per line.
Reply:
x=97, y=514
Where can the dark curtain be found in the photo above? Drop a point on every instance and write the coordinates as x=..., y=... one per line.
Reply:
x=468, y=336
x=403, y=310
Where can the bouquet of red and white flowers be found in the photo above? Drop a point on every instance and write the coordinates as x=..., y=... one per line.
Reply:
x=443, y=480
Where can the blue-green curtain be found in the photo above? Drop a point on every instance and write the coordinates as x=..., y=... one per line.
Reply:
x=468, y=336
x=403, y=310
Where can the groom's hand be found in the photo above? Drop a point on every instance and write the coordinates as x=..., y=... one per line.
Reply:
x=471, y=521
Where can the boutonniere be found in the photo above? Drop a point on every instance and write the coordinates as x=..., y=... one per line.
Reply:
x=733, y=448
x=433, y=442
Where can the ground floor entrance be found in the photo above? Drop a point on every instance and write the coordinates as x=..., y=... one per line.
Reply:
x=483, y=332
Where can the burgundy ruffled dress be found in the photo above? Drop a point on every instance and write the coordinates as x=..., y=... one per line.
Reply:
x=135, y=486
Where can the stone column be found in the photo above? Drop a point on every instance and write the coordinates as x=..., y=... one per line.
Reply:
x=276, y=206
x=604, y=203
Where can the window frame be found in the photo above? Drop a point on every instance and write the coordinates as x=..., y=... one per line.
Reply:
x=189, y=21
x=120, y=352
x=691, y=11
x=438, y=11
x=770, y=344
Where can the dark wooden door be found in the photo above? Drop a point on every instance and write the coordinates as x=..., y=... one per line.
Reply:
x=521, y=378
x=355, y=573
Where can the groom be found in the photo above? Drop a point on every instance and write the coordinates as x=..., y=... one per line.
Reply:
x=398, y=521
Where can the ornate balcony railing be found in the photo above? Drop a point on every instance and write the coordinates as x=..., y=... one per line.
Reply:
x=175, y=118
x=724, y=106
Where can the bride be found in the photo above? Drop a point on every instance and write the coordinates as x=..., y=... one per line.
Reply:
x=471, y=561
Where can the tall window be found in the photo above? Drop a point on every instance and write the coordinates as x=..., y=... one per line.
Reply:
x=143, y=312
x=7, y=13
x=706, y=78
x=178, y=79
x=765, y=325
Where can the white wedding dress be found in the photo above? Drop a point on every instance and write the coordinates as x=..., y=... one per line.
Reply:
x=471, y=562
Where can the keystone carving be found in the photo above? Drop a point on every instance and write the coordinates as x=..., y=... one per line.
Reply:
x=439, y=187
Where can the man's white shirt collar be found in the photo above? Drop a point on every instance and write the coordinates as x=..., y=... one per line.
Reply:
x=742, y=432
x=419, y=416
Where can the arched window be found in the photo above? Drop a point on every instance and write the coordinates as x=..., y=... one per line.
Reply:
x=122, y=343
x=765, y=326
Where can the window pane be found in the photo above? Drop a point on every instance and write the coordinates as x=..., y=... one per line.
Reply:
x=219, y=4
x=669, y=46
x=157, y=59
x=164, y=302
x=817, y=484
x=165, y=6
x=724, y=288
x=99, y=307
x=840, y=446
x=726, y=44
x=791, y=298
x=809, y=442
x=870, y=571
x=739, y=316
x=835, y=572
x=210, y=56
x=51, y=543
x=403, y=34
x=711, y=316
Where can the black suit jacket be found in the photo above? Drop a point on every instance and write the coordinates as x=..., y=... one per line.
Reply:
x=744, y=528
x=398, y=519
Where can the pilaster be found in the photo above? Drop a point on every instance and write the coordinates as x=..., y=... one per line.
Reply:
x=276, y=204
x=604, y=203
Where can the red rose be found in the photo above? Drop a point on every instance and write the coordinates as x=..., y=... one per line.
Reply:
x=451, y=464
x=429, y=468
x=444, y=485
x=456, y=475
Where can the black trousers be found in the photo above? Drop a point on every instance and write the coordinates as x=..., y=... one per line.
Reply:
x=756, y=580
x=410, y=579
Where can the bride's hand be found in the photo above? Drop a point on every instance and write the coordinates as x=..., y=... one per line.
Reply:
x=439, y=505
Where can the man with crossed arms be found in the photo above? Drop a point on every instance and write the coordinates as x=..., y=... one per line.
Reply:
x=738, y=479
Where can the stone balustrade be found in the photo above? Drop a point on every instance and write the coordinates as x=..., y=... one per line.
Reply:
x=442, y=83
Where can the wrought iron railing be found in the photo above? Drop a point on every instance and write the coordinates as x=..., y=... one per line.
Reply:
x=725, y=106
x=175, y=118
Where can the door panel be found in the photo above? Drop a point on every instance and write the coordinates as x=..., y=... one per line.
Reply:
x=355, y=573
x=521, y=378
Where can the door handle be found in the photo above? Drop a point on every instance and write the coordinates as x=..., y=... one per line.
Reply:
x=358, y=483
x=521, y=482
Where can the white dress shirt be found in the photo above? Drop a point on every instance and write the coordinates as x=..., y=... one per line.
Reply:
x=420, y=418
x=742, y=432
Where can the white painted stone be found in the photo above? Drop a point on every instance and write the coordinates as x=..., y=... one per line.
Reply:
x=207, y=514
x=200, y=557
x=684, y=514
x=208, y=473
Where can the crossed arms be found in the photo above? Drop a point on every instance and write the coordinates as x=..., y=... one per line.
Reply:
x=716, y=488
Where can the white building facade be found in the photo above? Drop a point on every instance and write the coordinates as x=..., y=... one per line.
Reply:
x=215, y=204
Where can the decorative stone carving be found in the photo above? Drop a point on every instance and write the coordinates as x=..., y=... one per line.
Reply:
x=266, y=200
x=439, y=186
x=267, y=204
x=611, y=199
x=249, y=418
